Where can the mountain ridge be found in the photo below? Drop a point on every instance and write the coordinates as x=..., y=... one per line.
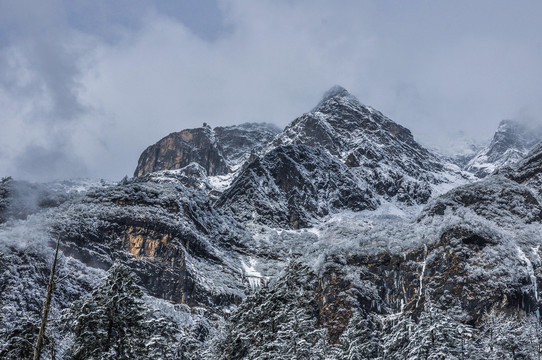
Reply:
x=340, y=236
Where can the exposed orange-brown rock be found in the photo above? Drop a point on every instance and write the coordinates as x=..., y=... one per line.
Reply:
x=143, y=242
x=179, y=149
x=335, y=302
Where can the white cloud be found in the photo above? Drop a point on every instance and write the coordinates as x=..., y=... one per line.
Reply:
x=99, y=98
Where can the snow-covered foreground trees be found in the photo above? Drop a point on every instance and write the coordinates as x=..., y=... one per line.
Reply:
x=113, y=322
x=278, y=322
x=18, y=342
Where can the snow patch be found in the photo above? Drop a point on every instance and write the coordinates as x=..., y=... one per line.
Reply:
x=221, y=182
x=530, y=270
x=253, y=276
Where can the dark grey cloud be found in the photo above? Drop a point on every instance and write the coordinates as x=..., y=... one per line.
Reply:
x=37, y=60
x=114, y=77
x=40, y=163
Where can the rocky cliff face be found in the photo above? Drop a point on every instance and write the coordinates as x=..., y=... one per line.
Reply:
x=511, y=143
x=239, y=141
x=178, y=150
x=217, y=150
x=291, y=186
x=529, y=170
x=167, y=233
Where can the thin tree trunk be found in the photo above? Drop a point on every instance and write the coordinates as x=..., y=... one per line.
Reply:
x=46, y=305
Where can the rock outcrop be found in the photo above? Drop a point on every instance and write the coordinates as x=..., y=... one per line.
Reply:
x=529, y=170
x=239, y=141
x=169, y=235
x=179, y=149
x=218, y=150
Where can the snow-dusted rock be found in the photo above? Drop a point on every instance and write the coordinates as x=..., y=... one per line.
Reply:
x=292, y=186
x=529, y=170
x=218, y=151
x=239, y=141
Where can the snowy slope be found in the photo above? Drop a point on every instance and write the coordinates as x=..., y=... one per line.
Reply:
x=529, y=170
x=239, y=141
x=19, y=199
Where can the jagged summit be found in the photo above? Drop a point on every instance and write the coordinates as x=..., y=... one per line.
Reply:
x=375, y=147
x=336, y=91
x=511, y=143
x=512, y=133
x=340, y=123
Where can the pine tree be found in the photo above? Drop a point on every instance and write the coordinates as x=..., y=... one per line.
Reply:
x=4, y=263
x=294, y=337
x=440, y=334
x=46, y=306
x=4, y=197
x=362, y=339
x=163, y=340
x=396, y=337
x=18, y=341
x=110, y=322
x=504, y=337
x=278, y=322
x=533, y=331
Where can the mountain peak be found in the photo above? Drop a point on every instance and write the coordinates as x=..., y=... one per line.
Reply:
x=511, y=143
x=336, y=91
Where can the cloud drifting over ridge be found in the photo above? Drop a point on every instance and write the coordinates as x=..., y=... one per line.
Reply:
x=87, y=87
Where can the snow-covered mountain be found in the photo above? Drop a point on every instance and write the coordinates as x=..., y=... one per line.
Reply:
x=379, y=150
x=339, y=237
x=511, y=142
x=341, y=155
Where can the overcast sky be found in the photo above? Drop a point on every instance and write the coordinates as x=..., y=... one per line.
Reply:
x=86, y=86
